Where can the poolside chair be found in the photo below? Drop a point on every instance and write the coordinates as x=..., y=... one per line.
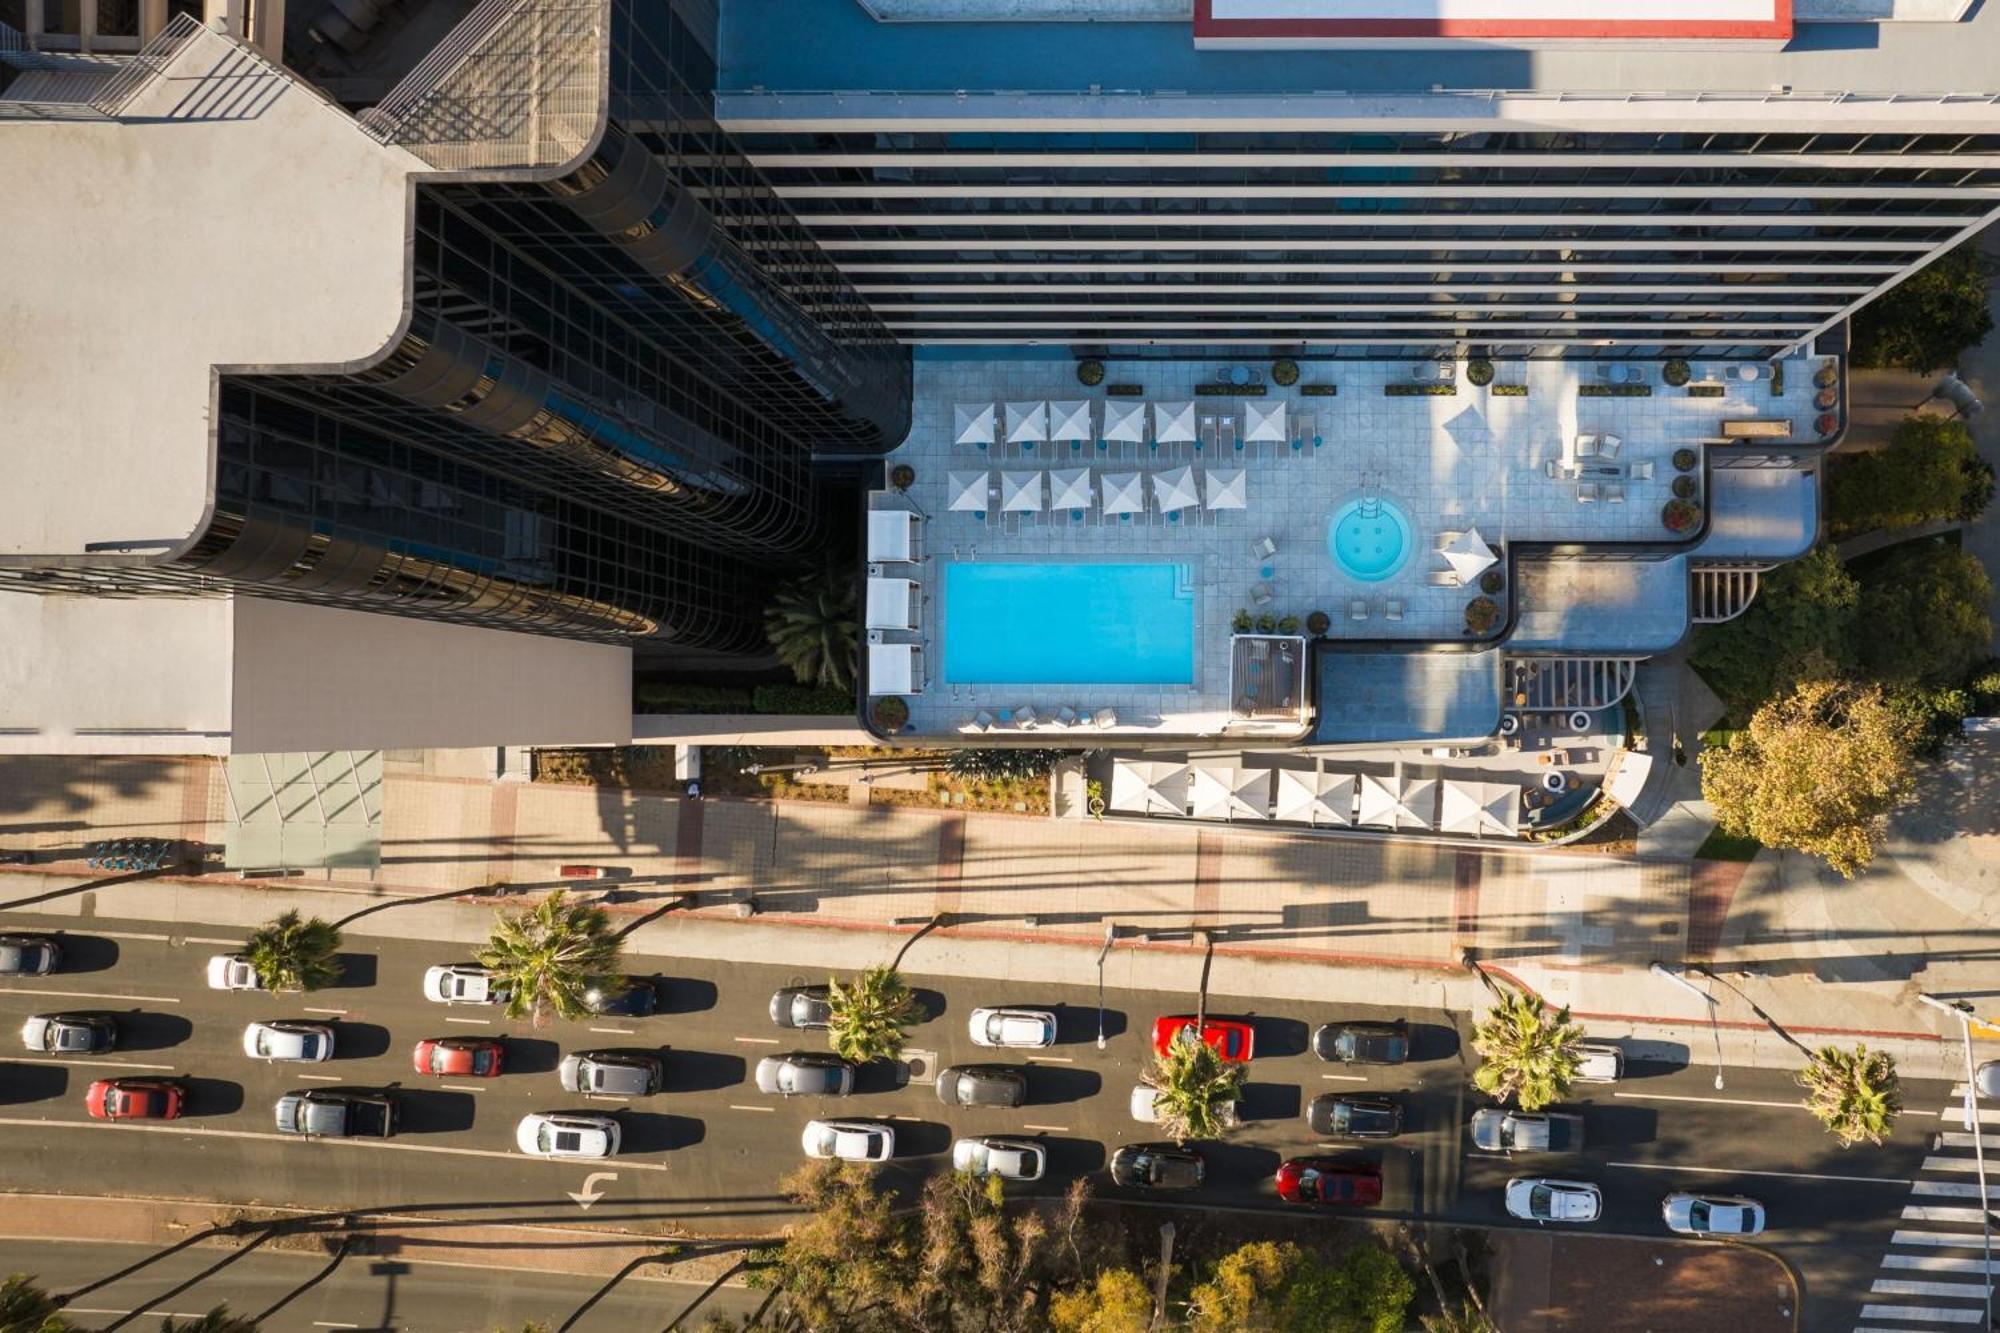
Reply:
x=1260, y=594
x=1065, y=716
x=1633, y=375
x=1105, y=717
x=982, y=721
x=1225, y=439
x=1586, y=446
x=1445, y=539
x=1357, y=609
x=1556, y=469
x=1263, y=548
x=1586, y=492
x=1025, y=717
x=1606, y=372
x=1393, y=609
x=1444, y=578
x=1205, y=435
x=1614, y=494
x=1608, y=446
x=1641, y=471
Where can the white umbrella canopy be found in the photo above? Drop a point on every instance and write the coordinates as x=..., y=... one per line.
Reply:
x=1264, y=419
x=891, y=668
x=1250, y=794
x=1020, y=492
x=1069, y=488
x=1226, y=488
x=1470, y=556
x=1173, y=423
x=1119, y=493
x=972, y=423
x=968, y=490
x=1459, y=811
x=1314, y=798
x=1378, y=801
x=1070, y=420
x=1499, y=809
x=1124, y=419
x=1143, y=787
x=1417, y=803
x=1210, y=799
x=1174, y=489
x=1027, y=422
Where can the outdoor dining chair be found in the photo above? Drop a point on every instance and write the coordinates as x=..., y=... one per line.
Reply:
x=1393, y=609
x=1586, y=446
x=1586, y=491
x=1357, y=609
x=1642, y=471
x=1444, y=578
x=1260, y=594
x=1608, y=446
x=1263, y=548
x=1614, y=494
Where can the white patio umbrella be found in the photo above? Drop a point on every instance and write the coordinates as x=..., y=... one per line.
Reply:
x=1020, y=492
x=1124, y=419
x=1070, y=420
x=891, y=534
x=1459, y=812
x=1174, y=489
x=1499, y=809
x=1314, y=798
x=1378, y=801
x=1143, y=787
x=972, y=423
x=1069, y=488
x=1250, y=794
x=1173, y=423
x=892, y=668
x=1264, y=419
x=1210, y=798
x=1027, y=422
x=1417, y=803
x=1119, y=493
x=1336, y=797
x=1226, y=488
x=968, y=490
x=1470, y=556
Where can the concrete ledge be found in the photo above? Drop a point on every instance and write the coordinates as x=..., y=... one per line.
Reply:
x=747, y=729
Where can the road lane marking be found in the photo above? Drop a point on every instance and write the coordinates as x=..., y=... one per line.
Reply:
x=322, y=1078
x=1051, y=1060
x=1776, y=1175
x=324, y=1323
x=383, y=1145
x=1969, y=1291
x=1955, y=1239
x=1345, y=1078
x=1717, y=1101
x=1956, y=1111
x=482, y=1022
x=311, y=1010
x=84, y=929
x=95, y=1064
x=1938, y=1213
x=155, y=1311
x=1939, y=1263
x=90, y=995
x=1921, y=1314
x=1950, y=1164
x=766, y=1109
x=758, y=1041
x=461, y=1087
x=622, y=1032
x=1047, y=1129
x=1956, y=1140
x=1953, y=1189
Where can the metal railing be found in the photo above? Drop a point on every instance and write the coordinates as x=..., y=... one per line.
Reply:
x=140, y=71
x=11, y=38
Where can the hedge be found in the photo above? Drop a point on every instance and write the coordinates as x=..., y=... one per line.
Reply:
x=1509, y=391
x=1319, y=390
x=1429, y=390
x=1229, y=390
x=1707, y=390
x=1125, y=390
x=657, y=696
x=1614, y=391
x=788, y=698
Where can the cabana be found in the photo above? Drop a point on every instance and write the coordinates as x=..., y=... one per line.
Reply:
x=1124, y=420
x=1020, y=492
x=895, y=668
x=892, y=535
x=892, y=604
x=1226, y=488
x=1315, y=798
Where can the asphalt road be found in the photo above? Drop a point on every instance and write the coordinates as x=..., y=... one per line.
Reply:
x=707, y=1152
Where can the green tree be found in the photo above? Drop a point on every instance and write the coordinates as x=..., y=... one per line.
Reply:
x=1925, y=322
x=869, y=1015
x=1817, y=771
x=1273, y=1287
x=294, y=954
x=27, y=1307
x=811, y=624
x=1929, y=470
x=550, y=954
x=1526, y=1052
x=1195, y=1089
x=1000, y=764
x=1928, y=619
x=217, y=1320
x=1855, y=1094
x=1802, y=624
x=1117, y=1301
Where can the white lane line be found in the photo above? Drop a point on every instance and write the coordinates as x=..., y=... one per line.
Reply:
x=758, y=1041
x=1345, y=1078
x=321, y=1078
x=1964, y=1291
x=1938, y=1213
x=91, y=994
x=482, y=1022
x=461, y=1087
x=1954, y=1189
x=372, y=1145
x=95, y=1064
x=1047, y=1129
x=83, y=927
x=1950, y=1164
x=326, y=1323
x=309, y=1009
x=913, y=1119
x=1776, y=1175
x=766, y=1109
x=1941, y=1263
x=1713, y=1101
x=620, y=1032
x=1956, y=1113
x=197, y=939
x=1951, y=1140
x=150, y=1314
x=1923, y=1314
x=1051, y=1060
x=1969, y=1240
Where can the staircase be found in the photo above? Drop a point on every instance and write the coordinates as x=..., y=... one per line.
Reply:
x=1721, y=594
x=1551, y=684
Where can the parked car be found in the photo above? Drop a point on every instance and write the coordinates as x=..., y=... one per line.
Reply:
x=1363, y=1042
x=1231, y=1038
x=1495, y=1130
x=626, y=997
x=1598, y=1063
x=849, y=1140
x=983, y=1085
x=460, y=1057
x=801, y=1007
x=1325, y=1180
x=288, y=1039
x=805, y=1074
x=134, y=1099
x=567, y=1134
x=611, y=1073
x=232, y=971
x=1537, y=1199
x=1158, y=1166
x=1146, y=1112
x=29, y=955
x=70, y=1034
x=325, y=1113
x=1032, y=1028
x=1986, y=1079
x=464, y=983
x=1009, y=1159
x=1712, y=1214
x=1340, y=1116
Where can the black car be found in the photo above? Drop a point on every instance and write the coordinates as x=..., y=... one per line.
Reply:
x=982, y=1085
x=1337, y=1116
x=802, y=1007
x=28, y=955
x=1363, y=1043
x=629, y=997
x=1158, y=1166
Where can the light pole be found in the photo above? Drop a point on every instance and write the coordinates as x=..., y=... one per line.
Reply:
x=1659, y=969
x=1962, y=1011
x=1110, y=934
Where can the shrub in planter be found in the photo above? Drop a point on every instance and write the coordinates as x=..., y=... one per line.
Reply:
x=1001, y=765
x=1684, y=487
x=1479, y=371
x=1706, y=391
x=1676, y=372
x=1288, y=624
x=1681, y=515
x=902, y=476
x=1267, y=623
x=1492, y=581
x=1827, y=423
x=1827, y=398
x=1242, y=622
x=1510, y=391
x=1685, y=459
x=890, y=713
x=1090, y=372
x=1481, y=614
x=1285, y=372
x=1318, y=623
x=1826, y=377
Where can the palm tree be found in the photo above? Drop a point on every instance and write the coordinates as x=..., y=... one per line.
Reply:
x=1855, y=1094
x=26, y=1307
x=218, y=1320
x=1528, y=1053
x=811, y=624
x=1195, y=1089
x=291, y=953
x=549, y=955
x=869, y=1015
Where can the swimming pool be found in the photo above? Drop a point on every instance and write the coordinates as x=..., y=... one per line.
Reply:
x=1369, y=538
x=1026, y=623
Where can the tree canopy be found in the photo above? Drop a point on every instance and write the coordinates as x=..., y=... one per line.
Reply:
x=1272, y=1287
x=1927, y=615
x=1856, y=1094
x=1929, y=470
x=1802, y=624
x=1925, y=322
x=551, y=954
x=811, y=625
x=1196, y=1089
x=292, y=953
x=1526, y=1052
x=869, y=1015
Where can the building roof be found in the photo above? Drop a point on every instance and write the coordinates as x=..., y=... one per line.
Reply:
x=1408, y=697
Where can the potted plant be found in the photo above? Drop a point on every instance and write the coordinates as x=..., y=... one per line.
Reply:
x=1492, y=581
x=1318, y=623
x=1285, y=372
x=1685, y=459
x=1827, y=423
x=1481, y=614
x=890, y=713
x=1093, y=793
x=1288, y=624
x=1241, y=622
x=1676, y=372
x=902, y=476
x=1267, y=623
x=1479, y=371
x=1090, y=372
x=1826, y=376
x=1681, y=515
x=1684, y=487
x=1828, y=397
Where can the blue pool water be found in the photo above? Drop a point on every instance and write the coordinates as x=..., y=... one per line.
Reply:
x=1369, y=538
x=1036, y=624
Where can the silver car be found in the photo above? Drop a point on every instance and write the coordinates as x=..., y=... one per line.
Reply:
x=1032, y=1028
x=1712, y=1214
x=849, y=1140
x=28, y=955
x=805, y=1074
x=610, y=1074
x=1010, y=1159
x=288, y=1039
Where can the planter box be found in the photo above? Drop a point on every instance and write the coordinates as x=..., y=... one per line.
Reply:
x=1125, y=390
x=1614, y=391
x=1231, y=390
x=1430, y=390
x=1319, y=390
x=1707, y=390
x=1509, y=391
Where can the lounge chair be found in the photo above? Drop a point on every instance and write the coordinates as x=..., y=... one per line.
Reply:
x=1614, y=493
x=1105, y=717
x=1260, y=594
x=1609, y=446
x=1393, y=609
x=1586, y=446
x=982, y=721
x=1357, y=609
x=1445, y=539
x=1641, y=471
x=1025, y=717
x=1556, y=469
x=1065, y=716
x=1586, y=492
x=1263, y=548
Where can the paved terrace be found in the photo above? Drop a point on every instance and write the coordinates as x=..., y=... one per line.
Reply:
x=1449, y=462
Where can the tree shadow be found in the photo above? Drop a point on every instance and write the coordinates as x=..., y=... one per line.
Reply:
x=1070, y=1157
x=1270, y=1101
x=357, y=971
x=931, y=1002
x=1433, y=1041
x=700, y=1071
x=359, y=1041
x=532, y=1055
x=1052, y=1086
x=210, y=1096
x=31, y=1083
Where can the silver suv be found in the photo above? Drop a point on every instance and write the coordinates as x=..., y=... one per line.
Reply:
x=982, y=1085
x=610, y=1073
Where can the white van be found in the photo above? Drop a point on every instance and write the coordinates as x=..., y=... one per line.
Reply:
x=1599, y=1064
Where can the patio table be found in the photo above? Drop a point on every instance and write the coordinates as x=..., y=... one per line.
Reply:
x=1601, y=470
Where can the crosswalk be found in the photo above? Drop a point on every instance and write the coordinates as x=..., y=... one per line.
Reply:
x=1935, y=1275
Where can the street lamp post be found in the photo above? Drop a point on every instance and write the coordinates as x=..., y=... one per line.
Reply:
x=1110, y=934
x=1962, y=1011
x=1714, y=1028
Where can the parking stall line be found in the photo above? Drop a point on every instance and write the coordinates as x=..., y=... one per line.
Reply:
x=618, y=1032
x=765, y=1109
x=461, y=1087
x=321, y=1078
x=1344, y=1078
x=758, y=1041
x=309, y=1009
x=1047, y=1129
x=92, y=1064
x=482, y=1022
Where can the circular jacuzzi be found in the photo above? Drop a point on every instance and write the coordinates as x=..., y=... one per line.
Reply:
x=1369, y=538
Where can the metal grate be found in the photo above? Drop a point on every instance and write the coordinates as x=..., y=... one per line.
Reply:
x=1722, y=594
x=1549, y=684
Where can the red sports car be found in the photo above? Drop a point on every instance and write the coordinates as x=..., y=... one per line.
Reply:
x=1232, y=1038
x=134, y=1099
x=1327, y=1181
x=462, y=1057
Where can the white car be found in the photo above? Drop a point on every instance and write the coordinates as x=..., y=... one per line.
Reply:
x=1987, y=1079
x=1712, y=1214
x=1145, y=1109
x=1537, y=1199
x=849, y=1140
x=1598, y=1063
x=567, y=1134
x=1010, y=1159
x=1032, y=1028
x=463, y=983
x=288, y=1039
x=232, y=971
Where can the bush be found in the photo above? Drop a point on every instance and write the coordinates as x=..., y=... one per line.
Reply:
x=1491, y=582
x=1510, y=391
x=1090, y=372
x=1978, y=490
x=1684, y=487
x=1706, y=391
x=657, y=696
x=801, y=699
x=1319, y=390
x=1932, y=713
x=1803, y=623
x=1318, y=623
x=1267, y=623
x=890, y=713
x=902, y=476
x=1676, y=372
x=1481, y=614
x=1929, y=470
x=1614, y=391
x=1000, y=765
x=1402, y=389
x=1985, y=687
x=1925, y=613
x=1242, y=622
x=1685, y=459
x=1288, y=624
x=1681, y=515
x=1923, y=324
x=1479, y=372
x=1285, y=372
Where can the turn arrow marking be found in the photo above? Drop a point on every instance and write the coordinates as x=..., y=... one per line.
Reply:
x=590, y=1194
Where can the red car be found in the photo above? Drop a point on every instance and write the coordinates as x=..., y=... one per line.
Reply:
x=134, y=1099
x=462, y=1057
x=1323, y=1180
x=1232, y=1038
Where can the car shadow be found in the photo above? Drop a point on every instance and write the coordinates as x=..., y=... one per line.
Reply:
x=1279, y=1037
x=31, y=1083
x=1234, y=1164
x=86, y=953
x=1069, y=1157
x=1653, y=1059
x=434, y=1110
x=357, y=971
x=1433, y=1041
x=922, y=1138
x=1270, y=1101
x=684, y=995
x=700, y=1071
x=1052, y=1086
x=360, y=1041
x=142, y=1030
x=649, y=1131
x=531, y=1055
x=882, y=1076
x=210, y=1096
x=1620, y=1126
x=1076, y=1024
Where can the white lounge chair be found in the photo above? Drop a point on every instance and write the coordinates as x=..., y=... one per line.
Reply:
x=1609, y=446
x=1586, y=446
x=982, y=721
x=1614, y=493
x=1357, y=609
x=1444, y=578
x=1105, y=717
x=1263, y=548
x=1392, y=609
x=1065, y=716
x=1260, y=594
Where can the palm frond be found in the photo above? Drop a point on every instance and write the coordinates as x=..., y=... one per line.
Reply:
x=1527, y=1053
x=1195, y=1090
x=551, y=955
x=1856, y=1094
x=870, y=1014
x=290, y=953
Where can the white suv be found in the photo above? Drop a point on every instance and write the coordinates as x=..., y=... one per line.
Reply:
x=463, y=983
x=232, y=971
x=1031, y=1028
x=567, y=1134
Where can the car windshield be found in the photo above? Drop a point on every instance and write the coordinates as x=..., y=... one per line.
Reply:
x=1343, y=1044
x=1699, y=1215
x=482, y=1061
x=1539, y=1200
